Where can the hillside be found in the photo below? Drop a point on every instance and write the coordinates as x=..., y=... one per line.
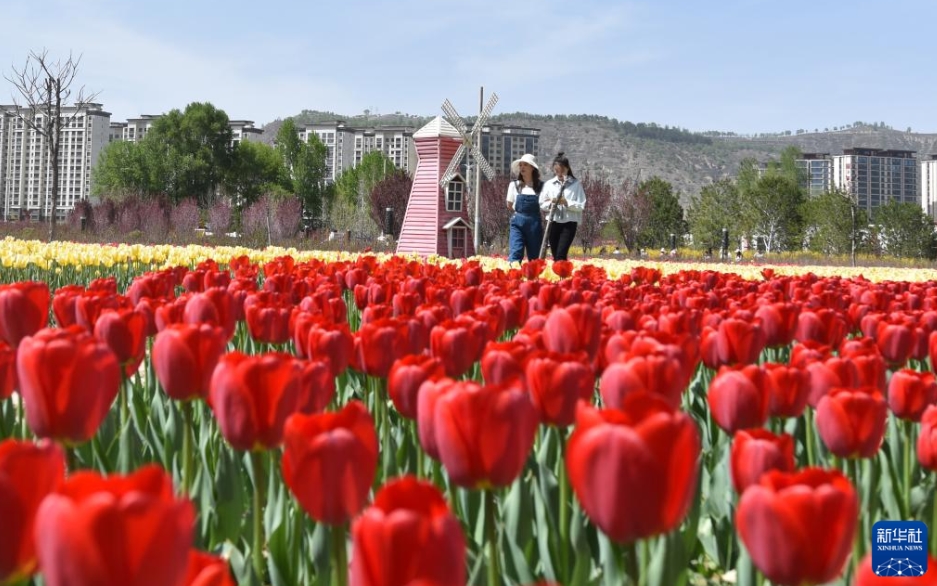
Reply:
x=620, y=150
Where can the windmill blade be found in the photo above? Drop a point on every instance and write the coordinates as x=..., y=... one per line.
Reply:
x=486, y=112
x=454, y=119
x=453, y=167
x=482, y=163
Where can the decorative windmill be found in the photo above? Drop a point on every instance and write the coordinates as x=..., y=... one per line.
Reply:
x=471, y=143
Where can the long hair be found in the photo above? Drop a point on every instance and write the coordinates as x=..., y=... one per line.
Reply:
x=561, y=159
x=538, y=183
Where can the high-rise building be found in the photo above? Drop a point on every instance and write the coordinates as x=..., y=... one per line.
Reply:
x=816, y=172
x=394, y=141
x=502, y=144
x=873, y=177
x=136, y=128
x=339, y=142
x=929, y=186
x=25, y=172
x=243, y=130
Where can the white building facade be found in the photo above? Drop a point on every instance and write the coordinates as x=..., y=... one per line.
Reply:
x=929, y=186
x=873, y=177
x=25, y=172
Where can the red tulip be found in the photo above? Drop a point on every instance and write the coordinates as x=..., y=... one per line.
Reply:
x=738, y=398
x=428, y=395
x=268, y=317
x=910, y=392
x=207, y=570
x=24, y=310
x=774, y=516
x=658, y=373
x=68, y=380
x=634, y=470
x=735, y=341
x=756, y=451
x=378, y=344
x=556, y=383
x=575, y=328
x=484, y=433
x=124, y=332
x=927, y=439
x=252, y=396
x=824, y=326
x=503, y=361
x=896, y=341
x=28, y=472
x=779, y=323
x=8, y=382
x=406, y=377
x=851, y=422
x=63, y=304
x=115, y=531
x=457, y=344
x=787, y=390
x=332, y=342
x=184, y=358
x=330, y=460
x=317, y=388
x=214, y=306
x=865, y=575
x=408, y=535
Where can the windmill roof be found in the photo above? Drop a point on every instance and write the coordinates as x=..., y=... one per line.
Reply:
x=437, y=127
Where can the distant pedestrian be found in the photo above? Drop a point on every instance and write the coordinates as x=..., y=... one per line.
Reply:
x=566, y=193
x=526, y=231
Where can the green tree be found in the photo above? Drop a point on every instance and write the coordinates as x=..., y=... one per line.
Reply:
x=194, y=147
x=716, y=207
x=772, y=211
x=353, y=187
x=124, y=170
x=305, y=164
x=256, y=168
x=834, y=224
x=666, y=214
x=904, y=230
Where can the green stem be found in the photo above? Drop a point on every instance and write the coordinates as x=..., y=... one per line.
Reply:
x=563, y=481
x=187, y=431
x=631, y=563
x=71, y=460
x=420, y=456
x=809, y=439
x=257, y=550
x=908, y=464
x=3, y=427
x=123, y=456
x=21, y=413
x=340, y=555
x=933, y=542
x=644, y=550
x=494, y=573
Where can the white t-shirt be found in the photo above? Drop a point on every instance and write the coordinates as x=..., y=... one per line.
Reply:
x=512, y=192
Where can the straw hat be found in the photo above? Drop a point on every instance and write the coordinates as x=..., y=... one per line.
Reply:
x=529, y=159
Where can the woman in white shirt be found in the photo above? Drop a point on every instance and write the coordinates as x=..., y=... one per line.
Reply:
x=524, y=193
x=566, y=193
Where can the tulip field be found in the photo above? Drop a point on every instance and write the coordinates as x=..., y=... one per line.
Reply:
x=215, y=416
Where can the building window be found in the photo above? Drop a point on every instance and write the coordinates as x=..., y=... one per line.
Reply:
x=458, y=238
x=454, y=195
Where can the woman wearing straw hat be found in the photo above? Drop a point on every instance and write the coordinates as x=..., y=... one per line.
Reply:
x=524, y=200
x=564, y=193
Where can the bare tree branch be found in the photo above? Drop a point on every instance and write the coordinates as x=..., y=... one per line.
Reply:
x=44, y=88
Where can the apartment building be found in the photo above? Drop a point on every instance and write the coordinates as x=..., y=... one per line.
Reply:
x=339, y=141
x=136, y=128
x=25, y=173
x=816, y=172
x=394, y=141
x=929, y=186
x=503, y=144
x=243, y=130
x=873, y=177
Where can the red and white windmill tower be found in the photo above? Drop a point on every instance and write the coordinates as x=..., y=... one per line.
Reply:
x=436, y=220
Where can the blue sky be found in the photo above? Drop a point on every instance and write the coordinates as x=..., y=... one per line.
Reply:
x=746, y=66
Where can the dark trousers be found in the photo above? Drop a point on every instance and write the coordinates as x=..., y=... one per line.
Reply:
x=561, y=238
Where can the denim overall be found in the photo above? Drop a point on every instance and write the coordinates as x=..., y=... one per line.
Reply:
x=526, y=228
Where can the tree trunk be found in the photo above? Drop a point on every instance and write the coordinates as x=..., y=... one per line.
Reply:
x=55, y=140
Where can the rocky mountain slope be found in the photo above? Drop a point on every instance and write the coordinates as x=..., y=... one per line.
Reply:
x=619, y=151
